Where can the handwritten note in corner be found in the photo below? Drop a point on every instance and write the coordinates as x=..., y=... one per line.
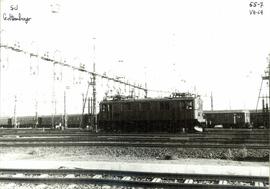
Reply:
x=15, y=15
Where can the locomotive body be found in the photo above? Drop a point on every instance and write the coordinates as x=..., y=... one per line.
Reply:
x=172, y=114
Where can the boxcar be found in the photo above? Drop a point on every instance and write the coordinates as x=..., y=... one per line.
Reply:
x=259, y=119
x=74, y=120
x=172, y=114
x=228, y=118
x=25, y=121
x=5, y=122
x=46, y=121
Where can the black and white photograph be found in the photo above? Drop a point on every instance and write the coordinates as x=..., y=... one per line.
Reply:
x=108, y=94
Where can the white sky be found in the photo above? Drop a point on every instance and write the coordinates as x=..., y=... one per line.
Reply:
x=181, y=45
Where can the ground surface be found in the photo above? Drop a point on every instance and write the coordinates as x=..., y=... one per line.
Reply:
x=178, y=160
x=129, y=153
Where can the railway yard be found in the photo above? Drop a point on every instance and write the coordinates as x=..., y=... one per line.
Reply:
x=69, y=127
x=162, y=142
x=76, y=158
x=168, y=142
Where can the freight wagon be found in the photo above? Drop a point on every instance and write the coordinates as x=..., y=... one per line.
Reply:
x=5, y=122
x=228, y=118
x=259, y=119
x=45, y=121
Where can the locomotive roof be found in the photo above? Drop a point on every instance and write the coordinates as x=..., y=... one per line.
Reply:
x=147, y=99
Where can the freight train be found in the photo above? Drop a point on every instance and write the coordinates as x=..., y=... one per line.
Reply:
x=237, y=118
x=228, y=118
x=46, y=121
x=177, y=113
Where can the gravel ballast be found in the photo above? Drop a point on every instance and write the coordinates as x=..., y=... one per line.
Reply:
x=130, y=153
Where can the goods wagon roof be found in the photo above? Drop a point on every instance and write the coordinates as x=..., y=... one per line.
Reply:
x=5, y=117
x=255, y=111
x=224, y=111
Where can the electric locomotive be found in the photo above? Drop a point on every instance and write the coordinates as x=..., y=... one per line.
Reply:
x=177, y=113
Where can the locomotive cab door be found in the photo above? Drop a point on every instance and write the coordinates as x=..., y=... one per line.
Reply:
x=109, y=111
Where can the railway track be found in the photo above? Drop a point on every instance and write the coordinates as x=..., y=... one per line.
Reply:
x=56, y=133
x=78, y=130
x=133, y=144
x=17, y=138
x=26, y=137
x=130, y=140
x=131, y=178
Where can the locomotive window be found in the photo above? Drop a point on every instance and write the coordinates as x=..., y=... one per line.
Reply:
x=189, y=105
x=103, y=107
x=109, y=108
x=145, y=106
x=186, y=105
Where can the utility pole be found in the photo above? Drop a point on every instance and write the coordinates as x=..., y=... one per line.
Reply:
x=0, y=83
x=212, y=105
x=15, y=112
x=267, y=77
x=88, y=106
x=268, y=58
x=91, y=106
x=145, y=84
x=36, y=113
x=94, y=86
x=65, y=110
x=84, y=98
x=53, y=97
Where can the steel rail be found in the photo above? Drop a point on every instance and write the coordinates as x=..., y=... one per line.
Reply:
x=130, y=183
x=133, y=144
x=144, y=140
x=111, y=182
